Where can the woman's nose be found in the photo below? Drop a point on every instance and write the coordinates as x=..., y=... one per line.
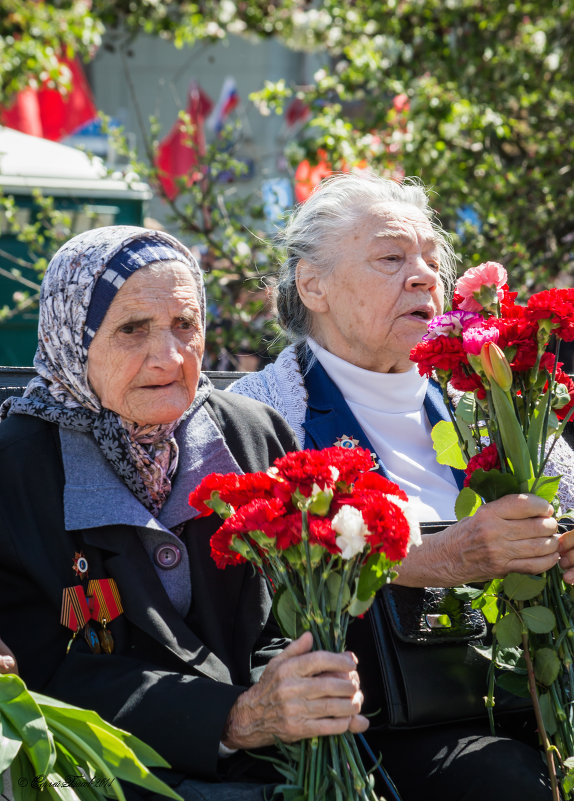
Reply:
x=422, y=274
x=164, y=350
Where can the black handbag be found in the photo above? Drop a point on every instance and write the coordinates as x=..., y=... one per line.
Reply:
x=418, y=660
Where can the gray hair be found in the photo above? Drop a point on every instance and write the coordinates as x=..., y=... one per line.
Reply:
x=332, y=210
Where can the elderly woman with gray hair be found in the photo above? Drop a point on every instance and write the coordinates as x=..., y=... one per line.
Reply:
x=108, y=595
x=366, y=269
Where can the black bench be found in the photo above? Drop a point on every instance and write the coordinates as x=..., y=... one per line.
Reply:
x=13, y=380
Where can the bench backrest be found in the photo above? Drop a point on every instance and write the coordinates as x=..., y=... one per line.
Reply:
x=13, y=380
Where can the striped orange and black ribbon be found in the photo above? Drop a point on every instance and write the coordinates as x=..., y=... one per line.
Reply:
x=106, y=602
x=75, y=612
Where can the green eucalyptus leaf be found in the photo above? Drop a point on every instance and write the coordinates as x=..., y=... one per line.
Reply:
x=548, y=716
x=508, y=630
x=546, y=665
x=467, y=503
x=446, y=445
x=538, y=619
x=522, y=587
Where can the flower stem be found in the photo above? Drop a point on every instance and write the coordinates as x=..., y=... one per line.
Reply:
x=548, y=748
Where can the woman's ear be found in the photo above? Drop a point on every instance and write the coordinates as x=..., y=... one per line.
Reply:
x=311, y=286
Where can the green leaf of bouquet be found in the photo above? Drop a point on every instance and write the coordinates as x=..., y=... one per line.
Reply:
x=545, y=487
x=520, y=587
x=515, y=683
x=22, y=775
x=59, y=711
x=535, y=429
x=546, y=665
x=465, y=408
x=488, y=604
x=466, y=593
x=10, y=744
x=538, y=619
x=508, y=630
x=467, y=503
x=375, y=573
x=511, y=659
x=357, y=607
x=493, y=484
x=285, y=611
x=24, y=715
x=333, y=586
x=548, y=716
x=447, y=446
x=515, y=446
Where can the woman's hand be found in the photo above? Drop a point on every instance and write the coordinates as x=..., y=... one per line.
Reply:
x=566, y=551
x=7, y=659
x=514, y=533
x=301, y=693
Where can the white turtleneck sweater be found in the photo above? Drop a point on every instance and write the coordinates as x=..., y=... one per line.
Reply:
x=389, y=408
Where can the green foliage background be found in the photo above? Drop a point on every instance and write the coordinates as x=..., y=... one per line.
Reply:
x=474, y=96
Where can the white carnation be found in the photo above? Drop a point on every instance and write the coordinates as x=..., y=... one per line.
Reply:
x=411, y=518
x=348, y=523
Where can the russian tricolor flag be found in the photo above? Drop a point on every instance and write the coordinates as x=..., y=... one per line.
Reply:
x=228, y=100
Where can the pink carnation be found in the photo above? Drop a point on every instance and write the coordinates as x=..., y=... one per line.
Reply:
x=488, y=274
x=451, y=323
x=474, y=338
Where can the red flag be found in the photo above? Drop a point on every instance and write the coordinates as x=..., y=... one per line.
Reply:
x=297, y=111
x=176, y=154
x=49, y=113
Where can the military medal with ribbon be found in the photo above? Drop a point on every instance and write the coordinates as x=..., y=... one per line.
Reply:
x=101, y=602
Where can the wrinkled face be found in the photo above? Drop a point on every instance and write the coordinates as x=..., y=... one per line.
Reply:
x=374, y=306
x=145, y=359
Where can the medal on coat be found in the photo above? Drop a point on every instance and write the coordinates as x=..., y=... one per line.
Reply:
x=346, y=442
x=105, y=606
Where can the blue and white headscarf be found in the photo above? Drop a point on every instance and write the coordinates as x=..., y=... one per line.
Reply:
x=80, y=284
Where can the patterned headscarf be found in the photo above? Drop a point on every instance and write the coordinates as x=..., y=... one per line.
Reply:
x=79, y=285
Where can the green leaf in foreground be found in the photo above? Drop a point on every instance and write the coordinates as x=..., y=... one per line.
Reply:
x=546, y=666
x=467, y=503
x=521, y=587
x=508, y=630
x=447, y=446
x=538, y=619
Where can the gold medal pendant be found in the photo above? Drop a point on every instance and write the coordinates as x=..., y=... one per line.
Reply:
x=106, y=639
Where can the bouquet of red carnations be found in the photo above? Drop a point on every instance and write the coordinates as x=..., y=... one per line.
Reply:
x=325, y=531
x=514, y=402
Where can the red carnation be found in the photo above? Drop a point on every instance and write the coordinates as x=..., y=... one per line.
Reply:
x=486, y=460
x=556, y=305
x=389, y=530
x=375, y=481
x=232, y=488
x=466, y=380
x=441, y=353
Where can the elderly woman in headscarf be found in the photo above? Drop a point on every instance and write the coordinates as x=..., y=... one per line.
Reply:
x=108, y=594
x=365, y=271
